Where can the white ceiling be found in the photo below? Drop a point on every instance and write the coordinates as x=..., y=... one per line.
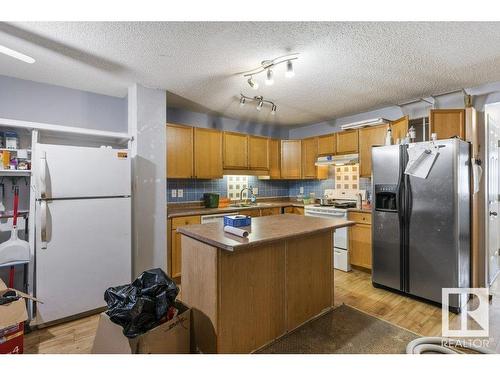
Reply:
x=344, y=68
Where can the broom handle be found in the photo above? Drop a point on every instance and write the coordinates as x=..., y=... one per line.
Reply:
x=16, y=204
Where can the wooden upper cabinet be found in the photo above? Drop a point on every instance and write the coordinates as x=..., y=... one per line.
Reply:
x=179, y=151
x=291, y=159
x=207, y=153
x=274, y=158
x=347, y=142
x=309, y=155
x=235, y=151
x=368, y=137
x=399, y=128
x=327, y=144
x=258, y=152
x=447, y=123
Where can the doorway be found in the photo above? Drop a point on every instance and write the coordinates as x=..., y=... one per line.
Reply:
x=492, y=196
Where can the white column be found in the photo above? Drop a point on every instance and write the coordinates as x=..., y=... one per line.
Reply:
x=146, y=123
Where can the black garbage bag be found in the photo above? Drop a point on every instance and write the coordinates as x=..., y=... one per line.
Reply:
x=140, y=306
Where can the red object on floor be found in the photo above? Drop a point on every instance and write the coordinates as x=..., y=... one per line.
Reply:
x=12, y=339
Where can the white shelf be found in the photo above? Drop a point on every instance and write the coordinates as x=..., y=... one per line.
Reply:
x=14, y=172
x=15, y=149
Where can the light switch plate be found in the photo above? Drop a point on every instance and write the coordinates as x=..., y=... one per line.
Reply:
x=174, y=193
x=301, y=190
x=180, y=193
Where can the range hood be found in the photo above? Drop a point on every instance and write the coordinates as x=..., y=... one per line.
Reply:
x=337, y=160
x=365, y=123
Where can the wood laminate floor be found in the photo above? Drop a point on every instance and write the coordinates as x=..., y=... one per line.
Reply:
x=352, y=288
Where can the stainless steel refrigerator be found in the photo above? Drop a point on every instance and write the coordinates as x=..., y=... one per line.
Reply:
x=421, y=227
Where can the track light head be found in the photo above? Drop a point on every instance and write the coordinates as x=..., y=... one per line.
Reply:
x=259, y=106
x=242, y=101
x=273, y=109
x=269, y=77
x=253, y=84
x=289, y=69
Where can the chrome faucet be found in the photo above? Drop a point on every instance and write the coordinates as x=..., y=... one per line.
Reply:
x=250, y=190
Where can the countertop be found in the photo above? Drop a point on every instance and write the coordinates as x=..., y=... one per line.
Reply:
x=263, y=230
x=191, y=211
x=363, y=210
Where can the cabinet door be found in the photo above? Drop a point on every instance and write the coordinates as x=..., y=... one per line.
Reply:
x=291, y=159
x=347, y=142
x=368, y=137
x=207, y=153
x=258, y=153
x=175, y=242
x=294, y=210
x=399, y=128
x=360, y=245
x=270, y=211
x=447, y=123
x=176, y=254
x=235, y=151
x=252, y=213
x=179, y=151
x=274, y=158
x=309, y=155
x=327, y=144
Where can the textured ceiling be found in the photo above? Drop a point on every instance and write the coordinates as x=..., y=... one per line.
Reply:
x=344, y=68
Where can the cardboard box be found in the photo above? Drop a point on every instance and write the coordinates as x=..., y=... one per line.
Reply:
x=171, y=337
x=12, y=318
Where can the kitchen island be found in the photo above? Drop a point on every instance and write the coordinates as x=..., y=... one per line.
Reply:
x=246, y=292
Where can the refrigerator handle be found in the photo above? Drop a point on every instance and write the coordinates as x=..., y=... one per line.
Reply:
x=43, y=224
x=43, y=175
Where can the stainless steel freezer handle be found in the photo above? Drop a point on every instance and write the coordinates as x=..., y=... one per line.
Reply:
x=43, y=224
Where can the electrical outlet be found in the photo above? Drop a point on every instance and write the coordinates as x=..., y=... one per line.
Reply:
x=174, y=193
x=301, y=190
x=180, y=193
x=255, y=190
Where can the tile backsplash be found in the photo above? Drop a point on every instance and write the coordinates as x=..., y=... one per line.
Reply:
x=192, y=189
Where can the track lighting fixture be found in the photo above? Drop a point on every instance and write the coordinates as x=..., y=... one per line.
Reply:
x=289, y=69
x=253, y=84
x=260, y=102
x=269, y=77
x=268, y=66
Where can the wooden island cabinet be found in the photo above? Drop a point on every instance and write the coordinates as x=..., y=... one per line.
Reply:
x=246, y=292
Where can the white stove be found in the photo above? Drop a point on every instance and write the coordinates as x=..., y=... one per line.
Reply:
x=341, y=237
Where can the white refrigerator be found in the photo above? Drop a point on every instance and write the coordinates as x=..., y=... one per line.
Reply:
x=82, y=228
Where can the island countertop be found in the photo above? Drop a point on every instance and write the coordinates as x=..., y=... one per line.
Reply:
x=263, y=230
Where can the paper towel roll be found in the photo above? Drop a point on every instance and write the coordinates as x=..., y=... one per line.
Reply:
x=236, y=231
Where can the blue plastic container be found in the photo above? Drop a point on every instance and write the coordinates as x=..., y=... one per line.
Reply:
x=237, y=220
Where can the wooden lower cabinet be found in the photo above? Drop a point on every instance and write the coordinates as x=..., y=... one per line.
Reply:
x=270, y=211
x=175, y=242
x=245, y=299
x=294, y=210
x=360, y=240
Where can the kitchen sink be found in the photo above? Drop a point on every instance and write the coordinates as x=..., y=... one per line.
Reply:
x=250, y=204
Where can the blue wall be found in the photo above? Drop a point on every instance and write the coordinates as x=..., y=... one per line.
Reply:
x=41, y=102
x=203, y=120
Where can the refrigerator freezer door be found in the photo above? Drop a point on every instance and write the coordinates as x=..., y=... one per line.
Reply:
x=386, y=257
x=439, y=226
x=79, y=172
x=88, y=250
